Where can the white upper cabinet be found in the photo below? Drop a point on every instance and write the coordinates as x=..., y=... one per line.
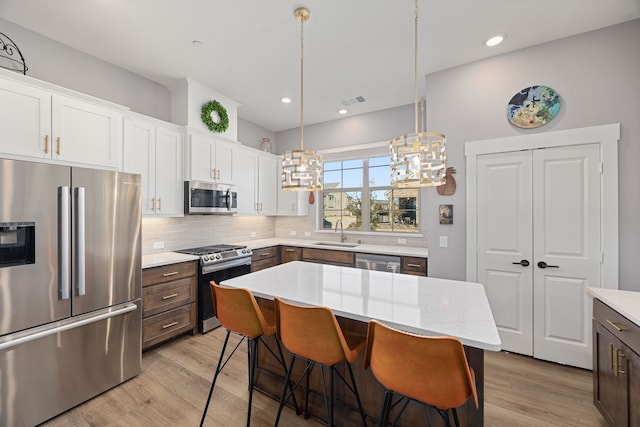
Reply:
x=154, y=150
x=257, y=187
x=210, y=159
x=290, y=203
x=39, y=124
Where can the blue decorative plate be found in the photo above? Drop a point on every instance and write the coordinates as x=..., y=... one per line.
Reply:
x=533, y=107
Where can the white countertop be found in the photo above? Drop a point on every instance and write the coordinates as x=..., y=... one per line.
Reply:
x=399, y=250
x=165, y=258
x=422, y=305
x=626, y=303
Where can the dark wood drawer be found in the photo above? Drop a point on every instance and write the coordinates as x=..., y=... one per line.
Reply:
x=263, y=263
x=327, y=256
x=621, y=327
x=161, y=327
x=263, y=253
x=414, y=265
x=290, y=253
x=166, y=273
x=166, y=296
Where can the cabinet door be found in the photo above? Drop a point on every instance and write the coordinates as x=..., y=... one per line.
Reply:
x=139, y=157
x=633, y=378
x=290, y=253
x=246, y=166
x=25, y=120
x=224, y=154
x=267, y=195
x=168, y=172
x=290, y=203
x=86, y=133
x=201, y=159
x=610, y=387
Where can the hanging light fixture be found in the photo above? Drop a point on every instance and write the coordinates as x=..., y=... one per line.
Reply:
x=418, y=159
x=301, y=169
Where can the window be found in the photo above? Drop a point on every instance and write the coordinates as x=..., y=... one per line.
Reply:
x=359, y=193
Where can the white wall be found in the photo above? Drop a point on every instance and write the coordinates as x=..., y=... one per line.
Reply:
x=597, y=75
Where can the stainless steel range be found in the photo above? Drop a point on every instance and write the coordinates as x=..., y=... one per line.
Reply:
x=217, y=263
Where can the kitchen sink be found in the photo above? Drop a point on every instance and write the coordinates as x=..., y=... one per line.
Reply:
x=342, y=245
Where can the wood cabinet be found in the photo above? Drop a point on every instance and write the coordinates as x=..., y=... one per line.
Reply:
x=168, y=302
x=616, y=366
x=290, y=253
x=264, y=258
x=257, y=187
x=413, y=265
x=210, y=159
x=154, y=150
x=39, y=124
x=328, y=256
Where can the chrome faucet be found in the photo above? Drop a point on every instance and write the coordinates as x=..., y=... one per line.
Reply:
x=343, y=238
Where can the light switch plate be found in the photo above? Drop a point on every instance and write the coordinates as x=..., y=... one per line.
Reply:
x=402, y=241
x=292, y=233
x=444, y=241
x=253, y=234
x=307, y=234
x=158, y=245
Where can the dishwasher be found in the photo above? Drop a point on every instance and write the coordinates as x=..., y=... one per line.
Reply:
x=378, y=262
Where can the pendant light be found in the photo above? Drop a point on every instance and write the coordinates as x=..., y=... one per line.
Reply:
x=301, y=169
x=418, y=159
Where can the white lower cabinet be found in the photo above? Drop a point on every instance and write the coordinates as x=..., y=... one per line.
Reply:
x=40, y=124
x=154, y=150
x=257, y=182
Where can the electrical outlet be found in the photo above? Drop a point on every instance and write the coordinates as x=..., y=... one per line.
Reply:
x=307, y=234
x=292, y=233
x=402, y=241
x=444, y=241
x=158, y=245
x=253, y=234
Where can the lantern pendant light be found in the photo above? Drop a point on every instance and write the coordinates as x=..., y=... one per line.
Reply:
x=301, y=169
x=418, y=159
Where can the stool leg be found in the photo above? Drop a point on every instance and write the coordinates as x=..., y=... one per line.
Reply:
x=215, y=377
x=252, y=356
x=355, y=391
x=283, y=398
x=386, y=408
x=455, y=417
x=309, y=368
x=284, y=366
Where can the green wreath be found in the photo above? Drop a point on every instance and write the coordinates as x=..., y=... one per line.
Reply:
x=220, y=126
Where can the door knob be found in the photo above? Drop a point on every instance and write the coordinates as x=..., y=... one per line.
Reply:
x=523, y=263
x=543, y=264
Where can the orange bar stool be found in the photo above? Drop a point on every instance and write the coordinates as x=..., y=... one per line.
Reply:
x=314, y=335
x=238, y=312
x=430, y=370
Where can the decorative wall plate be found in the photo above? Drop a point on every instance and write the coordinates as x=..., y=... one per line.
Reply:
x=533, y=107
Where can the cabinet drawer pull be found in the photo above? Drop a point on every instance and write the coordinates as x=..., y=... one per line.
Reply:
x=46, y=144
x=170, y=296
x=173, y=273
x=170, y=325
x=414, y=265
x=266, y=254
x=289, y=250
x=618, y=328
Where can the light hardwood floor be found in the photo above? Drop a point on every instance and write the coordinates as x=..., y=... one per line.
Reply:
x=175, y=381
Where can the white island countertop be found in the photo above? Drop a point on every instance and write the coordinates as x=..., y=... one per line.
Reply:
x=422, y=305
x=626, y=303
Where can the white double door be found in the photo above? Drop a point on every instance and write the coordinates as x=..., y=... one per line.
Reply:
x=539, y=247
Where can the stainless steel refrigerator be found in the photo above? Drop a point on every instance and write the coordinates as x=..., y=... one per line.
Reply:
x=70, y=287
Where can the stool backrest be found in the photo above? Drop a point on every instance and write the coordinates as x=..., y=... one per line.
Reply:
x=433, y=370
x=238, y=311
x=312, y=333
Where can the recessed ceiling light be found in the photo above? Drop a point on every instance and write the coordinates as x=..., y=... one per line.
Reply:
x=495, y=39
x=343, y=111
x=286, y=100
x=197, y=43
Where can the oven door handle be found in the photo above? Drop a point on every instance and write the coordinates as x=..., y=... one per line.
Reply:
x=206, y=269
x=228, y=199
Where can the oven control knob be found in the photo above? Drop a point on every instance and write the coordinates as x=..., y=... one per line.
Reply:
x=218, y=256
x=206, y=257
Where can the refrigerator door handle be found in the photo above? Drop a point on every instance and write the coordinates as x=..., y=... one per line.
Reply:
x=80, y=242
x=65, y=326
x=64, y=237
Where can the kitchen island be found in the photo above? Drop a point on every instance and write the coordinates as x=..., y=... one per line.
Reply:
x=422, y=305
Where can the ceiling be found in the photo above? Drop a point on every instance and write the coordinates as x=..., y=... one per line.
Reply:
x=250, y=49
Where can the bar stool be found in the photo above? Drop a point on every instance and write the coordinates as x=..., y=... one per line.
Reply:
x=238, y=312
x=430, y=370
x=314, y=335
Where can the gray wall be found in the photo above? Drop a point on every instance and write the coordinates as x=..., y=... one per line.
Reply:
x=250, y=134
x=597, y=75
x=64, y=66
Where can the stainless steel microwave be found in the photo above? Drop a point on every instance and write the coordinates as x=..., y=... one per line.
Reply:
x=202, y=198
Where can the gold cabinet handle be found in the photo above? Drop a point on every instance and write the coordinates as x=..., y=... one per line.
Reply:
x=46, y=144
x=169, y=296
x=173, y=273
x=618, y=328
x=213, y=173
x=159, y=203
x=265, y=254
x=611, y=356
x=169, y=325
x=153, y=203
x=616, y=360
x=414, y=265
x=58, y=146
x=289, y=250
